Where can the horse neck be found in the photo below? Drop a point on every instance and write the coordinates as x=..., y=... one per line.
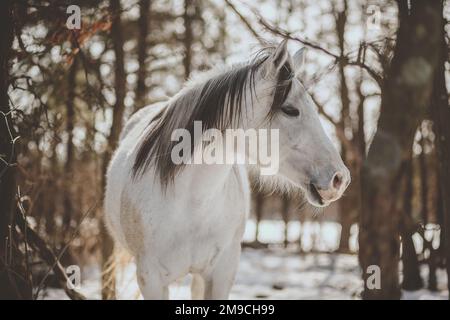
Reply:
x=207, y=179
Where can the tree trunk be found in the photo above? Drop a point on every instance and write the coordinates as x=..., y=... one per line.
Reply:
x=285, y=215
x=424, y=212
x=350, y=204
x=346, y=224
x=7, y=181
x=405, y=94
x=423, y=181
x=70, y=119
x=259, y=202
x=360, y=135
x=440, y=111
x=432, y=267
x=14, y=282
x=440, y=218
x=411, y=271
x=188, y=37
x=108, y=270
x=143, y=25
x=347, y=205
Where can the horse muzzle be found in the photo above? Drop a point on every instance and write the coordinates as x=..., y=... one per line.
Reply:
x=322, y=194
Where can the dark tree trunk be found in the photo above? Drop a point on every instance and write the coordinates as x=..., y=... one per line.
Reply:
x=188, y=37
x=441, y=114
x=424, y=212
x=259, y=202
x=14, y=282
x=360, y=136
x=119, y=77
x=52, y=188
x=348, y=205
x=432, y=268
x=411, y=271
x=345, y=213
x=405, y=94
x=68, y=194
x=440, y=220
x=7, y=181
x=108, y=276
x=70, y=120
x=285, y=216
x=300, y=237
x=341, y=20
x=423, y=181
x=143, y=25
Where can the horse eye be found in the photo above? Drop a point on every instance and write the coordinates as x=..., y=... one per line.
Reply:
x=290, y=111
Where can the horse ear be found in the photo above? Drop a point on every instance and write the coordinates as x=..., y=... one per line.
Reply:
x=298, y=60
x=277, y=59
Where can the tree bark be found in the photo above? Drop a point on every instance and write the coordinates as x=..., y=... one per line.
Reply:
x=346, y=224
x=411, y=271
x=423, y=181
x=259, y=202
x=7, y=181
x=188, y=37
x=349, y=204
x=108, y=270
x=424, y=212
x=70, y=119
x=143, y=25
x=14, y=280
x=440, y=111
x=285, y=215
x=405, y=95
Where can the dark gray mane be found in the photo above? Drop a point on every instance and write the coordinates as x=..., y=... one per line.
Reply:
x=217, y=103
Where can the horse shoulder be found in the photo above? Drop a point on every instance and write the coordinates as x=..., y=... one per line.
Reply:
x=241, y=175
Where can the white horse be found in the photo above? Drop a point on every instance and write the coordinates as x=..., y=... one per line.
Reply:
x=180, y=219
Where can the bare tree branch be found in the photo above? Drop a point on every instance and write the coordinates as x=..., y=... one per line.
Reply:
x=322, y=111
x=245, y=21
x=340, y=133
x=48, y=255
x=287, y=35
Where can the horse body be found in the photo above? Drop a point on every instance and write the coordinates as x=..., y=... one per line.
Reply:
x=170, y=232
x=177, y=220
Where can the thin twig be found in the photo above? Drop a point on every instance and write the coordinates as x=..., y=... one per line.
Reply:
x=322, y=111
x=287, y=35
x=8, y=163
x=245, y=21
x=347, y=61
x=25, y=236
x=49, y=257
x=57, y=258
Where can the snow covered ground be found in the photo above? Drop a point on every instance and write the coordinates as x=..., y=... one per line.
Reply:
x=275, y=272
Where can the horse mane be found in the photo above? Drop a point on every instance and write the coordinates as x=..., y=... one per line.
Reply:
x=217, y=102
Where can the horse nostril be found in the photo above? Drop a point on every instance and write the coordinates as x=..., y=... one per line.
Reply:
x=337, y=180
